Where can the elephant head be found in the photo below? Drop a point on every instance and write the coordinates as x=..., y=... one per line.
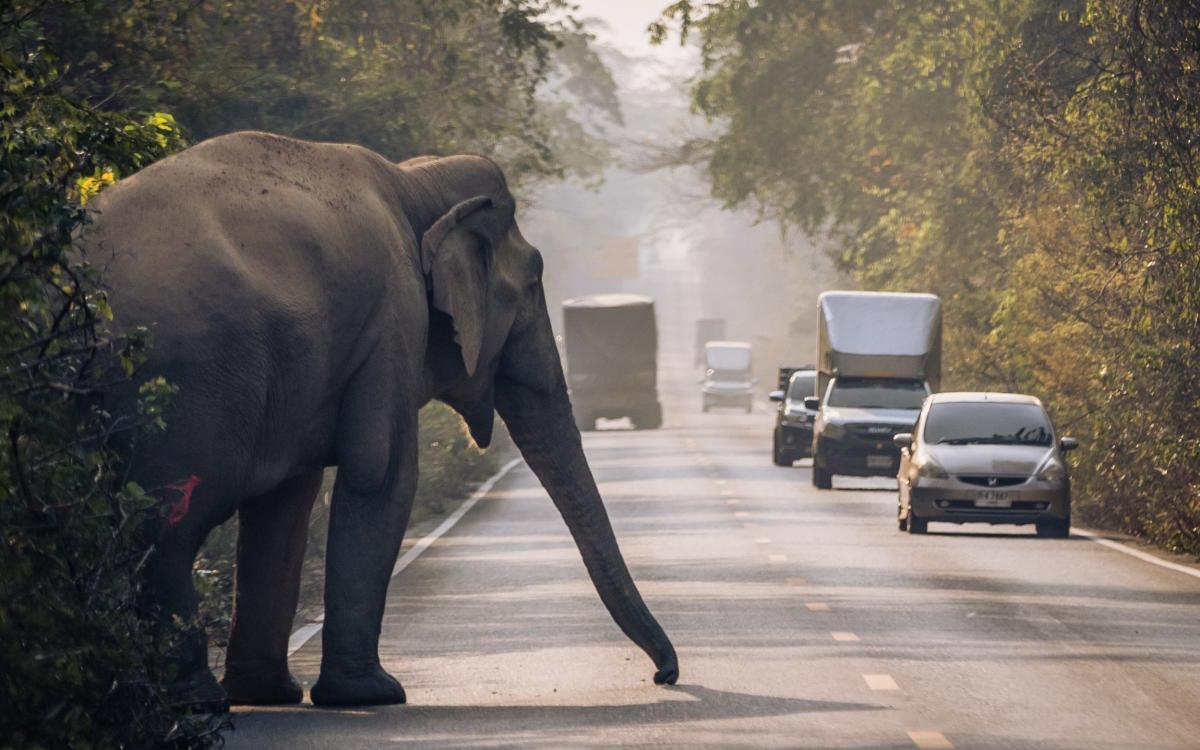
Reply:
x=491, y=348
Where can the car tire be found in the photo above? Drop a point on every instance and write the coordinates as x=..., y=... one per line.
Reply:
x=916, y=525
x=649, y=419
x=1054, y=529
x=821, y=478
x=779, y=457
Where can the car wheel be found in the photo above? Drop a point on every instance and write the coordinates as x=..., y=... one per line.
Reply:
x=916, y=525
x=1054, y=529
x=650, y=419
x=780, y=458
x=821, y=479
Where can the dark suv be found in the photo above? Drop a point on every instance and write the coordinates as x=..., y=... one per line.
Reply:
x=794, y=420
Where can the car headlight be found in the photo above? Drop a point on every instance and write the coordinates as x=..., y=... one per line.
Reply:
x=796, y=417
x=833, y=431
x=930, y=469
x=1052, y=470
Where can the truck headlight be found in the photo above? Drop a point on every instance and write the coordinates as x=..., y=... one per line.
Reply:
x=1052, y=470
x=833, y=431
x=931, y=469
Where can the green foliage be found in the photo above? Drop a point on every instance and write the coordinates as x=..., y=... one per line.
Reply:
x=1032, y=162
x=403, y=78
x=82, y=668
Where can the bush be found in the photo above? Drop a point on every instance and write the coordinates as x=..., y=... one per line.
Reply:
x=82, y=666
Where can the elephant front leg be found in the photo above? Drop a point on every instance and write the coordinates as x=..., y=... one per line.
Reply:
x=366, y=528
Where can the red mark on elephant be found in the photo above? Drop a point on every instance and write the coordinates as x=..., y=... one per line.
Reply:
x=180, y=508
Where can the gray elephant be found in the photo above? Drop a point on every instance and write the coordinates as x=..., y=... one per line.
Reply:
x=308, y=299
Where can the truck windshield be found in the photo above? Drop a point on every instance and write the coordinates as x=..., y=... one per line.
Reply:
x=988, y=423
x=802, y=385
x=877, y=393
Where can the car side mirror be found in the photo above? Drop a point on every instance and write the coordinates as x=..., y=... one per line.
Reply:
x=1068, y=444
x=812, y=403
x=903, y=439
x=776, y=395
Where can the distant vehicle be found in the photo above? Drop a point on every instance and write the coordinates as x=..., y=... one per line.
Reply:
x=878, y=357
x=793, y=420
x=984, y=457
x=707, y=329
x=728, y=375
x=612, y=359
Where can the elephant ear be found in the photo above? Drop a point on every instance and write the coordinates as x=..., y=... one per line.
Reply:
x=455, y=257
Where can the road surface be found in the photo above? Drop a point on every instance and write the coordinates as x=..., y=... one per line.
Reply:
x=802, y=618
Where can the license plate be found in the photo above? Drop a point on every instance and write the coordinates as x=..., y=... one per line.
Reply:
x=879, y=462
x=992, y=499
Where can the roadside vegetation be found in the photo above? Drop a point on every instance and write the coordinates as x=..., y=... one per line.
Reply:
x=90, y=92
x=1034, y=163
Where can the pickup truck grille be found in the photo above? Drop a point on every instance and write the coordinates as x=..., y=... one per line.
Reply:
x=875, y=431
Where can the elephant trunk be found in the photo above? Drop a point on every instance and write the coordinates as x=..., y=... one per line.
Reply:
x=542, y=426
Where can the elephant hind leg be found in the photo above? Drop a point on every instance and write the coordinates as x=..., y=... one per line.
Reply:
x=272, y=532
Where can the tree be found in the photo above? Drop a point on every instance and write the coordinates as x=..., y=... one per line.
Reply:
x=82, y=666
x=1032, y=162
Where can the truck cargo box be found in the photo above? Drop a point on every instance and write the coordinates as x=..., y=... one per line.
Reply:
x=880, y=335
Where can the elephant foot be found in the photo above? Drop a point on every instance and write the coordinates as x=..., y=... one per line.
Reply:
x=202, y=694
x=247, y=686
x=374, y=688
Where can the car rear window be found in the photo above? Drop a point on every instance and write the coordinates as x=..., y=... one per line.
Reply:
x=994, y=423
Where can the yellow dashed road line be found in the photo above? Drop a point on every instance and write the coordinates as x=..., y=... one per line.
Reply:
x=930, y=740
x=880, y=682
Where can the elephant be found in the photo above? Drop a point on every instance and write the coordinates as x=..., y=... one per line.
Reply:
x=307, y=299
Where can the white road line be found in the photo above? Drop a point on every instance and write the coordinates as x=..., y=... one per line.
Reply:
x=304, y=634
x=930, y=740
x=817, y=606
x=839, y=635
x=880, y=682
x=1143, y=556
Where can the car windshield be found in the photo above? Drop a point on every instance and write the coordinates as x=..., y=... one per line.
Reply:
x=987, y=423
x=877, y=393
x=801, y=386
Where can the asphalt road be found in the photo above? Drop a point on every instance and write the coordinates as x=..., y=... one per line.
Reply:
x=802, y=618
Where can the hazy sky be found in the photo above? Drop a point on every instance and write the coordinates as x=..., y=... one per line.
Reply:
x=627, y=21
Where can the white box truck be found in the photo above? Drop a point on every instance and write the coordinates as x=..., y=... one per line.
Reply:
x=878, y=357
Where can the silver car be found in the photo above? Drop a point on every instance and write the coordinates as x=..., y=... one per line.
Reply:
x=986, y=458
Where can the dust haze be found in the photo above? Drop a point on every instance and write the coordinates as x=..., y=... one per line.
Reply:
x=656, y=231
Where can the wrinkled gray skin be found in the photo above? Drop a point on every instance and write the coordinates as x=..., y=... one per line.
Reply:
x=308, y=299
